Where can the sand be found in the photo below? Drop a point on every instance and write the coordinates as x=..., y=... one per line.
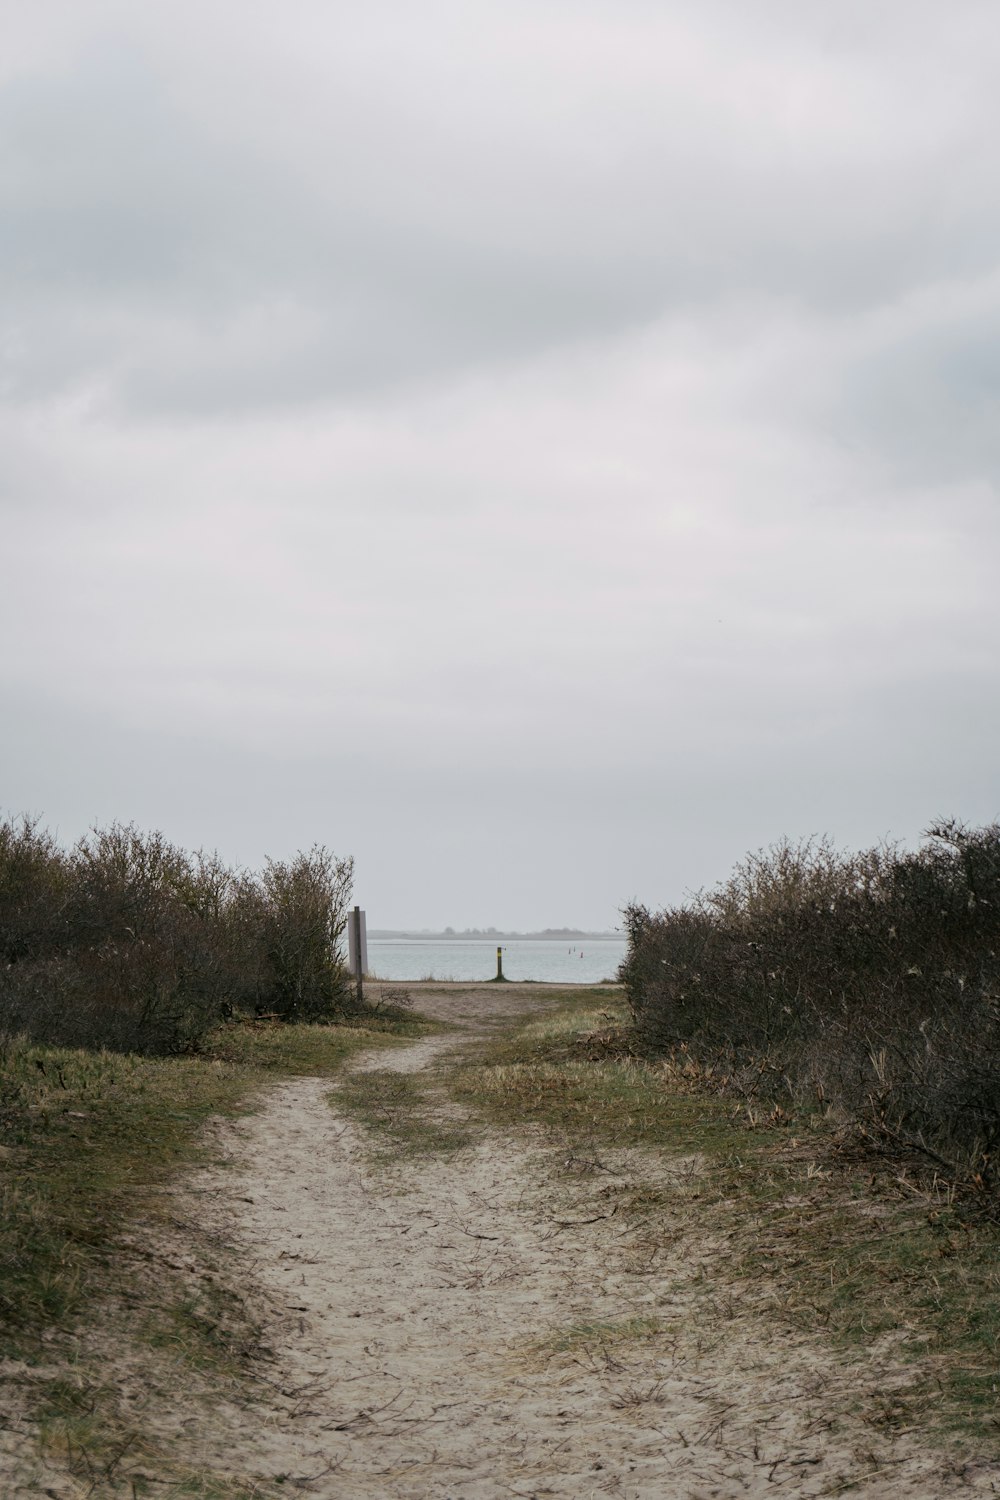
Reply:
x=483, y=1325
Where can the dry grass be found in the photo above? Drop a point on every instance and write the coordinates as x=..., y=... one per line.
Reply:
x=402, y=1113
x=784, y=1223
x=85, y=1135
x=89, y=1146
x=602, y=1335
x=576, y=1071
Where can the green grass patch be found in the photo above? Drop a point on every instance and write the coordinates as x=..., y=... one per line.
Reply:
x=589, y=1334
x=575, y=1070
x=311, y=1051
x=401, y=1112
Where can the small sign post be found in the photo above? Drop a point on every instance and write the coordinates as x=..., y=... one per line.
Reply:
x=357, y=949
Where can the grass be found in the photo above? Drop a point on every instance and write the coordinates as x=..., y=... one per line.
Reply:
x=405, y=1113
x=605, y=1335
x=88, y=1143
x=920, y=1274
x=575, y=1071
x=769, y=1219
x=401, y=1113
x=83, y=1134
x=79, y=1429
x=823, y=1239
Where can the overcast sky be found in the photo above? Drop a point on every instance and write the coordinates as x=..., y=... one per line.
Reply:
x=542, y=449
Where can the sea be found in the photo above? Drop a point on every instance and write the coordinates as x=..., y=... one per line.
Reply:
x=584, y=961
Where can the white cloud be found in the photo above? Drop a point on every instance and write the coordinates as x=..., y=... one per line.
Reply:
x=537, y=414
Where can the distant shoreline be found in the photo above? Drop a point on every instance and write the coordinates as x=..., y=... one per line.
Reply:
x=480, y=934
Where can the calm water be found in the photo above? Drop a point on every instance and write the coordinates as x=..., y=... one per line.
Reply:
x=586, y=962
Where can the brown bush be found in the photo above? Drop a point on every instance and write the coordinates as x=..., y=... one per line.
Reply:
x=869, y=983
x=129, y=942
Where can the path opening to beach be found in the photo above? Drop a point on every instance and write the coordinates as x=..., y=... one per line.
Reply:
x=453, y=1308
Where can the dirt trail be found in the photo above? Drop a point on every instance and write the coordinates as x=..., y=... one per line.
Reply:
x=480, y=1325
x=445, y=1328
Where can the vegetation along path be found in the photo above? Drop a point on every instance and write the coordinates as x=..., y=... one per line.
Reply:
x=467, y=1291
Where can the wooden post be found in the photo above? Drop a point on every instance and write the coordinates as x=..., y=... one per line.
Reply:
x=358, y=972
x=499, y=962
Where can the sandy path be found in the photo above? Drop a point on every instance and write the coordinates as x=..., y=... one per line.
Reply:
x=412, y=1305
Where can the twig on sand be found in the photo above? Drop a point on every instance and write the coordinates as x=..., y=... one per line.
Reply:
x=576, y=1223
x=302, y=1481
x=365, y=1415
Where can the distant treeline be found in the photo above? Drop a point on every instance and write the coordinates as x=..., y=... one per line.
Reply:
x=866, y=984
x=128, y=942
x=494, y=934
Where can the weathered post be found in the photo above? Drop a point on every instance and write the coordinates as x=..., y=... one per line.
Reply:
x=358, y=954
x=499, y=962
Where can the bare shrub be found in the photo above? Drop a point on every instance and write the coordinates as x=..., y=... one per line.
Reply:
x=34, y=887
x=869, y=983
x=129, y=942
x=303, y=920
x=395, y=997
